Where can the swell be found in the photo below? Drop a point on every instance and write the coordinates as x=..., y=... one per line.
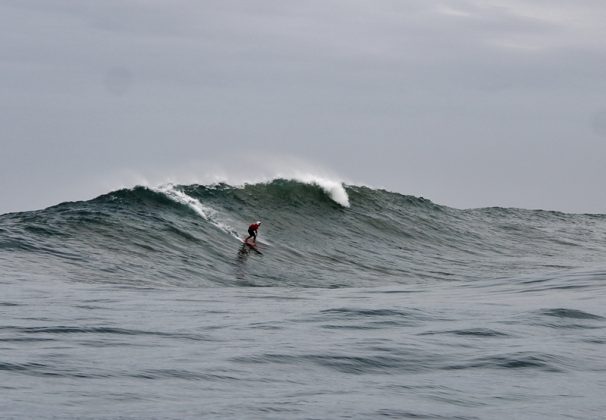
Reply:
x=316, y=233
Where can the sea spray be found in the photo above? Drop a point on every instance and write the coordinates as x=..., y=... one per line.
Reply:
x=334, y=189
x=206, y=212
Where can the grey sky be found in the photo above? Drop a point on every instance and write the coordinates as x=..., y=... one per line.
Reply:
x=468, y=103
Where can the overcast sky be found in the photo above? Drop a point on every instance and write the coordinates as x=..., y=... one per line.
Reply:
x=468, y=103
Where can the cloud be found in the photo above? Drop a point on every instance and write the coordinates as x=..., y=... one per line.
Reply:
x=466, y=102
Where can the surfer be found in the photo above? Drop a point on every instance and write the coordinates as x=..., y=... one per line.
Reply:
x=252, y=231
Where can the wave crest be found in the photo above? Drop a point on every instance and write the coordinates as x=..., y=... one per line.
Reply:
x=334, y=189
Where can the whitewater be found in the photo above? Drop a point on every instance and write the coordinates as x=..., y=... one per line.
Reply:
x=363, y=303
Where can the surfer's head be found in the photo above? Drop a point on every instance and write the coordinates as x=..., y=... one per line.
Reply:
x=258, y=222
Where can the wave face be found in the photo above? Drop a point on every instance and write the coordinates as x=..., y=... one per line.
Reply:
x=314, y=234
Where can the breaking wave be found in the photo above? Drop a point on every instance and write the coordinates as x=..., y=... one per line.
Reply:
x=316, y=232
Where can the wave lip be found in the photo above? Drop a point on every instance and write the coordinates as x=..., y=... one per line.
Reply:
x=335, y=189
x=207, y=213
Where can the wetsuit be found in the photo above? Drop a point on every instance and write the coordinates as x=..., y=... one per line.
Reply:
x=252, y=231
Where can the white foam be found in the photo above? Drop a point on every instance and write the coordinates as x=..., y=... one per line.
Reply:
x=207, y=213
x=334, y=189
x=236, y=171
x=180, y=197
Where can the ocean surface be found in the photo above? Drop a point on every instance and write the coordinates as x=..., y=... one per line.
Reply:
x=358, y=303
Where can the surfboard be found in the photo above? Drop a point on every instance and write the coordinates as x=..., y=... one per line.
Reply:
x=251, y=246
